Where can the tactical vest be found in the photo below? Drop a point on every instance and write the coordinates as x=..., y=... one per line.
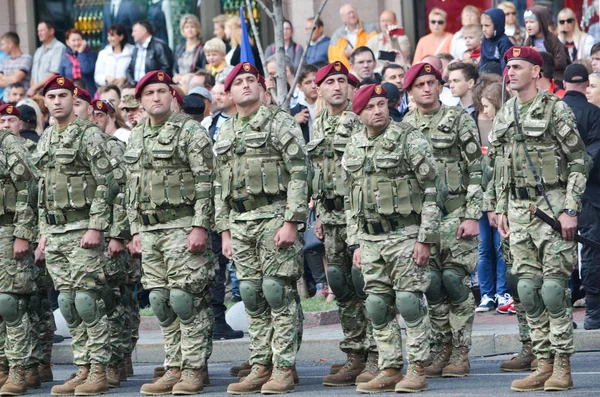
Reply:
x=8, y=189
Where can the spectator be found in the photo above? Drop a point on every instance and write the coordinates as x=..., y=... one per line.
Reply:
x=394, y=97
x=319, y=43
x=233, y=30
x=149, y=54
x=463, y=77
x=114, y=59
x=353, y=34
x=219, y=29
x=215, y=52
x=394, y=74
x=592, y=92
x=16, y=67
x=79, y=60
x=579, y=44
x=291, y=49
x=290, y=73
x=587, y=62
x=112, y=94
x=46, y=60
x=123, y=12
x=469, y=16
x=436, y=42
x=495, y=42
x=395, y=43
x=595, y=54
x=28, y=123
x=225, y=108
x=473, y=37
x=363, y=63
x=204, y=94
x=15, y=93
x=515, y=33
x=37, y=124
x=546, y=82
x=202, y=78
x=487, y=96
x=188, y=55
x=305, y=110
x=109, y=120
x=132, y=109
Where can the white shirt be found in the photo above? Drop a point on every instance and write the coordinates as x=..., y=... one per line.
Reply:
x=114, y=5
x=140, y=59
x=447, y=98
x=111, y=64
x=122, y=134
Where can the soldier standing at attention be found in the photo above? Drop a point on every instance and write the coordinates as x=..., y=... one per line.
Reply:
x=74, y=210
x=261, y=197
x=454, y=138
x=331, y=132
x=538, y=158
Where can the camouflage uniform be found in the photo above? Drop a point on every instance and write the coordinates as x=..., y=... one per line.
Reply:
x=261, y=183
x=453, y=135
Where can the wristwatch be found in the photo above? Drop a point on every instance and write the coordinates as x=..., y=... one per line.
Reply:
x=571, y=213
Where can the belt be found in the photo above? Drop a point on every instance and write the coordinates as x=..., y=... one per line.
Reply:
x=454, y=203
x=154, y=217
x=524, y=193
x=336, y=203
x=390, y=224
x=58, y=217
x=253, y=202
x=7, y=219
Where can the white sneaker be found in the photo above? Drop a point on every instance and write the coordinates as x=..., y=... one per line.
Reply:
x=486, y=304
x=503, y=299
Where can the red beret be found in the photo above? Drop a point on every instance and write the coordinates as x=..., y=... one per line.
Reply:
x=364, y=94
x=420, y=69
x=82, y=94
x=101, y=106
x=524, y=54
x=178, y=97
x=9, y=110
x=58, y=82
x=333, y=68
x=156, y=76
x=262, y=81
x=240, y=68
x=353, y=80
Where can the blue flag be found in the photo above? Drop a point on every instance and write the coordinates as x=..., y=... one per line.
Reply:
x=246, y=50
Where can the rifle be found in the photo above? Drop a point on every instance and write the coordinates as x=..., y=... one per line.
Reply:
x=555, y=224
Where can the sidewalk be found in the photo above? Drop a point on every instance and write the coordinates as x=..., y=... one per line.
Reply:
x=492, y=334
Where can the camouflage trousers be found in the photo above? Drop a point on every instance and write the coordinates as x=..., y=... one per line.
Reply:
x=131, y=318
x=452, y=322
x=512, y=281
x=42, y=319
x=167, y=264
x=74, y=269
x=539, y=253
x=388, y=269
x=356, y=326
x=116, y=275
x=259, y=261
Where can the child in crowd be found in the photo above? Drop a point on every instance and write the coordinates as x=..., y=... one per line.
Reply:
x=215, y=52
x=473, y=36
x=495, y=43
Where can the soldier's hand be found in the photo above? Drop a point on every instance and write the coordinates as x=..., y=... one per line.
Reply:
x=286, y=235
x=115, y=248
x=356, y=259
x=20, y=248
x=135, y=246
x=42, y=243
x=421, y=254
x=492, y=219
x=226, y=245
x=319, y=230
x=196, y=240
x=503, y=229
x=91, y=239
x=568, y=225
x=469, y=228
x=40, y=256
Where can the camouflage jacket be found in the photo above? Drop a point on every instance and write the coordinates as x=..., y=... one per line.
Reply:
x=119, y=225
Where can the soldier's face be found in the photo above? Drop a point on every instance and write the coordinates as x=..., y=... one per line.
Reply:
x=82, y=109
x=376, y=114
x=334, y=90
x=426, y=90
x=156, y=99
x=101, y=119
x=245, y=90
x=11, y=123
x=521, y=74
x=60, y=103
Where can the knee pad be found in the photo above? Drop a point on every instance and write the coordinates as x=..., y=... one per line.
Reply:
x=253, y=297
x=338, y=283
x=529, y=293
x=182, y=303
x=66, y=304
x=411, y=307
x=380, y=309
x=159, y=301
x=87, y=307
x=453, y=284
x=108, y=297
x=11, y=308
x=359, y=283
x=275, y=293
x=435, y=293
x=512, y=281
x=554, y=296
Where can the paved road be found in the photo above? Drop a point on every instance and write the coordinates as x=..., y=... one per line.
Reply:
x=485, y=380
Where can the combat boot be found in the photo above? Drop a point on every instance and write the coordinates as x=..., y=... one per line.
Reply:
x=252, y=383
x=459, y=365
x=536, y=380
x=335, y=368
x=281, y=382
x=243, y=373
x=129, y=365
x=45, y=373
x=234, y=371
x=163, y=385
x=561, y=379
x=414, y=381
x=15, y=385
x=158, y=373
x=534, y=364
x=190, y=383
x=346, y=376
x=122, y=371
x=441, y=358
x=520, y=362
x=385, y=381
x=205, y=377
x=371, y=369
x=95, y=383
x=112, y=376
x=32, y=378
x=3, y=376
x=68, y=388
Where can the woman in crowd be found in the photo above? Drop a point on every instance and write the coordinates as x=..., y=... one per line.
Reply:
x=114, y=59
x=233, y=31
x=469, y=16
x=188, y=55
x=292, y=50
x=79, y=60
x=110, y=121
x=592, y=93
x=512, y=29
x=578, y=43
x=436, y=42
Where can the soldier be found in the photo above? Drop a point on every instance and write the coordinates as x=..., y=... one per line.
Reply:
x=332, y=130
x=170, y=167
x=538, y=159
x=453, y=136
x=74, y=210
x=134, y=113
x=82, y=105
x=17, y=228
x=261, y=198
x=393, y=222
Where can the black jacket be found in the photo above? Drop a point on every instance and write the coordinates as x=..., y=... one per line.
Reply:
x=395, y=115
x=304, y=126
x=198, y=57
x=158, y=57
x=30, y=134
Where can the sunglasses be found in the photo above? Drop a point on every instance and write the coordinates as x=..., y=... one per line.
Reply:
x=434, y=21
x=570, y=20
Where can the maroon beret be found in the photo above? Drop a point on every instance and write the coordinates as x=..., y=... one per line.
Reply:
x=178, y=98
x=333, y=68
x=58, y=82
x=353, y=80
x=524, y=54
x=262, y=81
x=156, y=76
x=101, y=106
x=82, y=94
x=240, y=68
x=364, y=94
x=9, y=110
x=420, y=69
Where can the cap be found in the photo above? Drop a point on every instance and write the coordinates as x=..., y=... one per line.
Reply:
x=10, y=110
x=28, y=114
x=154, y=77
x=82, y=94
x=353, y=80
x=393, y=93
x=101, y=106
x=58, y=82
x=129, y=102
x=576, y=73
x=418, y=70
x=240, y=68
x=524, y=54
x=178, y=97
x=193, y=105
x=364, y=94
x=328, y=70
x=202, y=91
